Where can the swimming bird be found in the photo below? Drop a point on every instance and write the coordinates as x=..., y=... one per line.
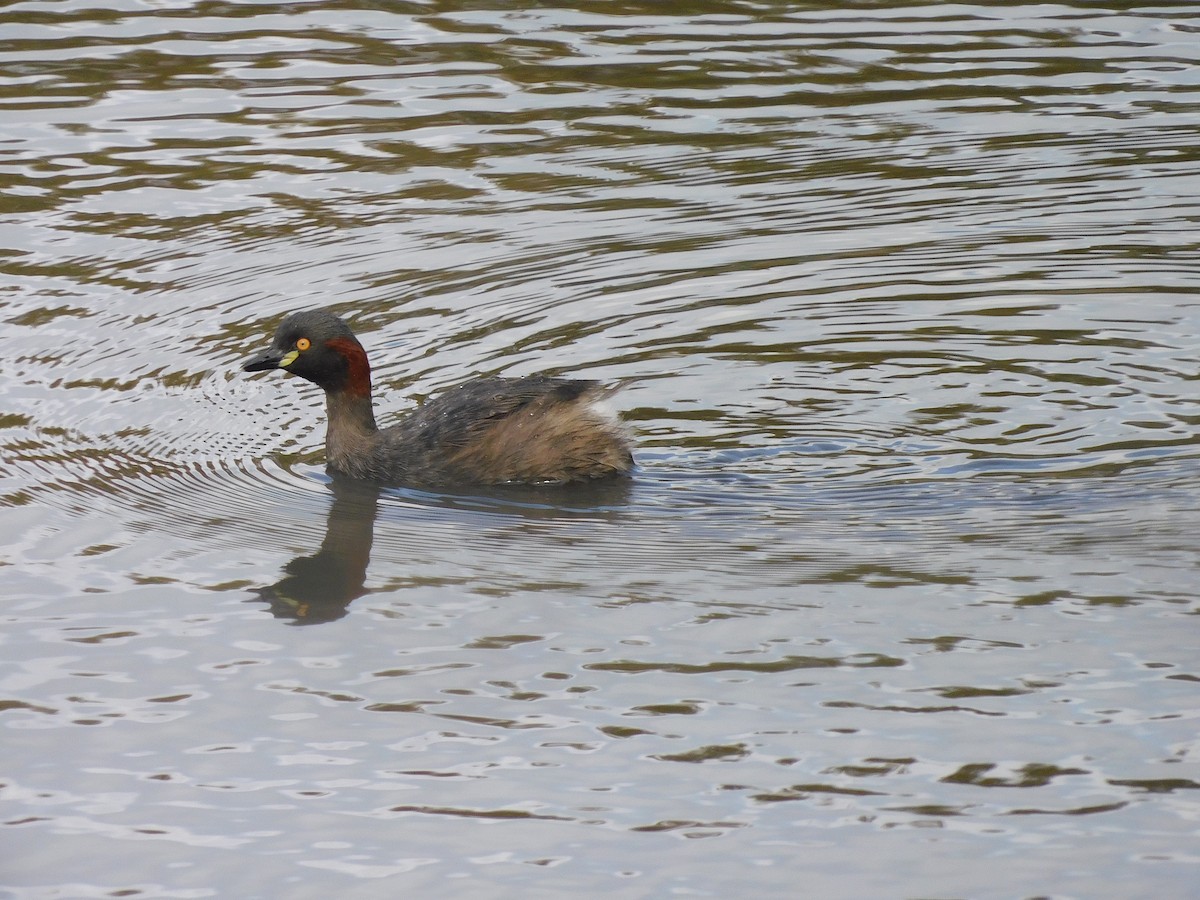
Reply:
x=532, y=430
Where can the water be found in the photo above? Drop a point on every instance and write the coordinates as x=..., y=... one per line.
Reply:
x=901, y=601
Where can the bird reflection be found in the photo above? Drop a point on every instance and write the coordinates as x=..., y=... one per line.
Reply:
x=320, y=588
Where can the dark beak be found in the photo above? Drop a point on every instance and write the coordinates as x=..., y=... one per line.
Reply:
x=264, y=361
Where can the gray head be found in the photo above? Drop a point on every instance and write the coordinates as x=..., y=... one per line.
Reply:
x=318, y=346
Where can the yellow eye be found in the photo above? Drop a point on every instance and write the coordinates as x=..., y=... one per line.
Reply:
x=303, y=344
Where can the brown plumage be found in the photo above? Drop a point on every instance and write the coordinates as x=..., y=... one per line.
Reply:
x=531, y=430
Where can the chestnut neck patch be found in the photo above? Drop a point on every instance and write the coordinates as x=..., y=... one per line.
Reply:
x=358, y=371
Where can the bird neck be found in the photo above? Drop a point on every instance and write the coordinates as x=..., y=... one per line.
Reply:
x=351, y=433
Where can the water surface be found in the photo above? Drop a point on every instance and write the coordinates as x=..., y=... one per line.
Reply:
x=901, y=601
